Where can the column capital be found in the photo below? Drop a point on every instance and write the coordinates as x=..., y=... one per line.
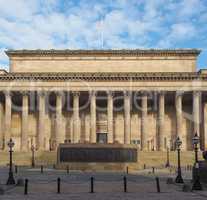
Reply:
x=110, y=93
x=197, y=92
x=76, y=93
x=93, y=93
x=144, y=92
x=179, y=92
x=7, y=93
x=41, y=92
x=127, y=93
x=59, y=93
x=161, y=92
x=24, y=93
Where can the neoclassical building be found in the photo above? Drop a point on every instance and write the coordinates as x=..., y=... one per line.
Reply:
x=142, y=97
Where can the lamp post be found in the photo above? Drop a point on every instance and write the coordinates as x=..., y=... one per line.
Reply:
x=179, y=178
x=33, y=156
x=196, y=178
x=10, y=180
x=168, y=158
x=196, y=141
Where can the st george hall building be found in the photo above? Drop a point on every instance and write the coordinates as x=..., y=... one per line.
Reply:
x=144, y=98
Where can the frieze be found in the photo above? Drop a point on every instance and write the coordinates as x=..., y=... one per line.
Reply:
x=188, y=76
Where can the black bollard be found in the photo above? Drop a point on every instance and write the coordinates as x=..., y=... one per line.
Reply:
x=16, y=169
x=26, y=187
x=158, y=184
x=92, y=185
x=153, y=170
x=127, y=170
x=58, y=185
x=125, y=184
x=41, y=169
x=67, y=169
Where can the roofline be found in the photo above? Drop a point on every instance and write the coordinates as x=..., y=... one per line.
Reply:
x=118, y=52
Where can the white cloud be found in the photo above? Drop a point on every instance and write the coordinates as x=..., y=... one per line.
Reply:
x=71, y=24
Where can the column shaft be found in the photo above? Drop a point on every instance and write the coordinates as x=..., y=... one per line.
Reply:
x=93, y=118
x=76, y=118
x=59, y=118
x=196, y=112
x=161, y=121
x=8, y=115
x=1, y=126
x=127, y=118
x=205, y=126
x=144, y=122
x=110, y=118
x=179, y=120
x=25, y=122
x=41, y=122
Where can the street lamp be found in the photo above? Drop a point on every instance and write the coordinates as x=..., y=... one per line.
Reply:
x=196, y=141
x=33, y=157
x=10, y=180
x=168, y=158
x=179, y=178
x=196, y=178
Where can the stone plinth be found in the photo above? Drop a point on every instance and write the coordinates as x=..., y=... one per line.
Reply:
x=96, y=156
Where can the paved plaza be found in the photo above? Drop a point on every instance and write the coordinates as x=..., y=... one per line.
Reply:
x=76, y=185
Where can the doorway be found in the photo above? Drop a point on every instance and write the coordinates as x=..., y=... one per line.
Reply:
x=101, y=138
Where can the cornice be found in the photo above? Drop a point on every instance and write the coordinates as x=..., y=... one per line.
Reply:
x=106, y=52
x=92, y=77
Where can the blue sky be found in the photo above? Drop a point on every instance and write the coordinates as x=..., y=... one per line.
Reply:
x=108, y=24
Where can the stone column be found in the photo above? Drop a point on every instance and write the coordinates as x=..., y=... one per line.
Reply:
x=205, y=125
x=179, y=119
x=196, y=112
x=8, y=115
x=110, y=117
x=25, y=121
x=1, y=126
x=76, y=118
x=41, y=122
x=93, y=117
x=161, y=121
x=127, y=118
x=59, y=133
x=144, y=136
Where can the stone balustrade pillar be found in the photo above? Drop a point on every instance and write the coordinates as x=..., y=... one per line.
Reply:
x=25, y=121
x=127, y=117
x=93, y=117
x=41, y=121
x=144, y=135
x=59, y=133
x=161, y=121
x=76, y=117
x=110, y=123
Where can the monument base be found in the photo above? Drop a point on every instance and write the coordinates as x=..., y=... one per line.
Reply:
x=99, y=157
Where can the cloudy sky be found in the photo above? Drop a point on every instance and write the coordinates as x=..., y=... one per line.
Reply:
x=108, y=24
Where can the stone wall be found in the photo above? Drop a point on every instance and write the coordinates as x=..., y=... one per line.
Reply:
x=103, y=64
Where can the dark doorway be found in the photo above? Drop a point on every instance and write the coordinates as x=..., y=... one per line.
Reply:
x=102, y=138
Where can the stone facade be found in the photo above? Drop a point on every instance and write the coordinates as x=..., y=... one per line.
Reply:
x=142, y=97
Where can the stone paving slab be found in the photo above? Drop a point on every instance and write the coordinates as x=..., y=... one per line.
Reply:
x=107, y=186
